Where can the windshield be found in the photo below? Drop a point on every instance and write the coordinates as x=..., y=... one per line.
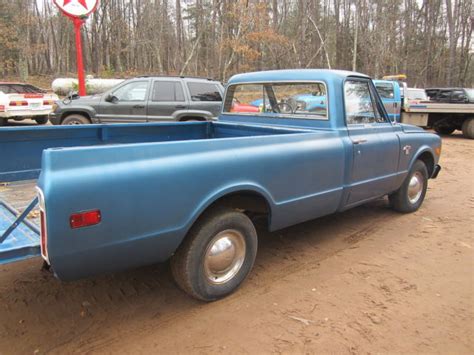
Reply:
x=20, y=89
x=416, y=94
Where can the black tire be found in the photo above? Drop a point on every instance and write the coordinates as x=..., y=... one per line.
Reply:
x=444, y=130
x=468, y=128
x=41, y=119
x=75, y=119
x=408, y=198
x=3, y=121
x=189, y=267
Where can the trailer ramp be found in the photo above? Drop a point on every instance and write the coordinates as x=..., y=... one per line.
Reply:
x=19, y=238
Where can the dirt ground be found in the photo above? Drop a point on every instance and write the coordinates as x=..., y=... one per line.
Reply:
x=365, y=281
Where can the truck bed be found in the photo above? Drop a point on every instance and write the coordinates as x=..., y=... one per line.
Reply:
x=27, y=144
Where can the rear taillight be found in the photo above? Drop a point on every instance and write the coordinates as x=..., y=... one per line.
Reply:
x=43, y=229
x=85, y=219
x=48, y=102
x=2, y=108
x=18, y=103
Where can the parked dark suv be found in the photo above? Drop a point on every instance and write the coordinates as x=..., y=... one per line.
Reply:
x=145, y=99
x=451, y=95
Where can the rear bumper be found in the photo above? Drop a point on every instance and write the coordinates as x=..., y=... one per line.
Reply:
x=23, y=114
x=436, y=171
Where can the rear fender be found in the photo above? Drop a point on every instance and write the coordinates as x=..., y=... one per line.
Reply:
x=228, y=190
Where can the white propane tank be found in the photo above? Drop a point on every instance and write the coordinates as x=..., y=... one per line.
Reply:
x=63, y=86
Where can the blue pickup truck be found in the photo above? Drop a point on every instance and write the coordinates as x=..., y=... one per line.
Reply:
x=114, y=197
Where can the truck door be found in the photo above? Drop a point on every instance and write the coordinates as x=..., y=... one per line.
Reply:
x=125, y=104
x=375, y=145
x=166, y=99
x=389, y=92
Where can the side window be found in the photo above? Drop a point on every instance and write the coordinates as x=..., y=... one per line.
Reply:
x=385, y=90
x=360, y=105
x=135, y=91
x=458, y=96
x=167, y=91
x=204, y=92
x=444, y=95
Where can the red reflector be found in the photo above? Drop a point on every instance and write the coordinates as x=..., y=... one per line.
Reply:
x=2, y=108
x=84, y=219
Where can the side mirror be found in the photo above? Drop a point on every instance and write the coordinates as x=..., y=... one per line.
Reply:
x=110, y=98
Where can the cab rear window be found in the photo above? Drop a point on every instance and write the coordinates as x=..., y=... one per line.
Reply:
x=305, y=100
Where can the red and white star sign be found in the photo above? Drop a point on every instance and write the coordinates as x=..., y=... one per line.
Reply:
x=76, y=8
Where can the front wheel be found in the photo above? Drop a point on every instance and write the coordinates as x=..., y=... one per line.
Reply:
x=216, y=256
x=75, y=119
x=410, y=196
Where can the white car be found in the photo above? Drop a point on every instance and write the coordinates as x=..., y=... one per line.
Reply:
x=20, y=101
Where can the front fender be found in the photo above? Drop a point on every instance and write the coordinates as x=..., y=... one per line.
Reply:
x=85, y=110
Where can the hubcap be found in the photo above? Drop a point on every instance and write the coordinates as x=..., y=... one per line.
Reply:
x=415, y=187
x=224, y=256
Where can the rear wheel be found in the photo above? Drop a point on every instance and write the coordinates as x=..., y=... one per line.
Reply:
x=75, y=119
x=410, y=196
x=3, y=121
x=216, y=256
x=41, y=119
x=468, y=128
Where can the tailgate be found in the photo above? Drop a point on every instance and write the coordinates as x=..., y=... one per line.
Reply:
x=19, y=238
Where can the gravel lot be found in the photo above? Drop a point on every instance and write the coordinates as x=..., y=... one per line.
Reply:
x=368, y=280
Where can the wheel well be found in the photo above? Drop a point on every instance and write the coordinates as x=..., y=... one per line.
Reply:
x=428, y=159
x=251, y=203
x=189, y=118
x=82, y=113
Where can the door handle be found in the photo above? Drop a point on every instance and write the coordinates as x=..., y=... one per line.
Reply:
x=180, y=107
x=359, y=141
x=139, y=106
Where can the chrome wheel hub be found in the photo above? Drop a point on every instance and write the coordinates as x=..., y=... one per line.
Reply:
x=415, y=187
x=224, y=256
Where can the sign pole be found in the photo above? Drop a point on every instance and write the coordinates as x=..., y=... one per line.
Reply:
x=80, y=64
x=78, y=11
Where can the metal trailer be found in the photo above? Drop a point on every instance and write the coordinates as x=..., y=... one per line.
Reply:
x=443, y=118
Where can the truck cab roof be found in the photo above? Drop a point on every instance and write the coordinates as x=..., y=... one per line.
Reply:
x=293, y=75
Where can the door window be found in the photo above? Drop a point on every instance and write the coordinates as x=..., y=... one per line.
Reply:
x=360, y=104
x=135, y=91
x=204, y=92
x=167, y=91
x=385, y=90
